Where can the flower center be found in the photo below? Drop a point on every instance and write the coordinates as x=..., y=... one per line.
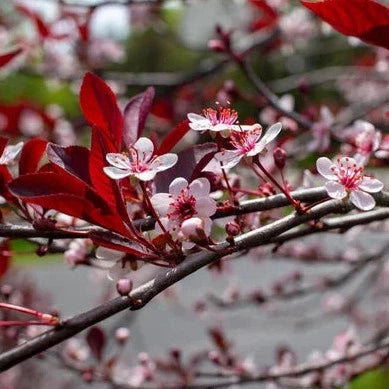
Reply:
x=349, y=175
x=184, y=207
x=245, y=141
x=221, y=115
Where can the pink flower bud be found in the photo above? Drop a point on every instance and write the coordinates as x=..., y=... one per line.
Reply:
x=232, y=228
x=279, y=156
x=193, y=229
x=124, y=286
x=122, y=335
x=216, y=45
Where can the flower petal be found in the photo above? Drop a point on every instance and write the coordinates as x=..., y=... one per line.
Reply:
x=163, y=162
x=115, y=173
x=145, y=148
x=371, y=185
x=107, y=254
x=118, y=160
x=271, y=133
x=177, y=185
x=10, y=153
x=323, y=166
x=362, y=200
x=229, y=158
x=119, y=270
x=147, y=175
x=335, y=190
x=200, y=187
x=194, y=117
x=161, y=202
x=205, y=206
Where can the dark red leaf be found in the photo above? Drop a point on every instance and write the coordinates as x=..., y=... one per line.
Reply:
x=267, y=18
x=100, y=108
x=31, y=155
x=73, y=159
x=43, y=184
x=173, y=137
x=367, y=20
x=8, y=57
x=5, y=178
x=189, y=165
x=96, y=340
x=135, y=115
x=3, y=144
x=5, y=258
x=40, y=25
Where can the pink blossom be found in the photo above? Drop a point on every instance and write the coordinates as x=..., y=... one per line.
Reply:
x=182, y=204
x=115, y=262
x=10, y=154
x=346, y=177
x=220, y=119
x=321, y=131
x=247, y=144
x=139, y=162
x=364, y=138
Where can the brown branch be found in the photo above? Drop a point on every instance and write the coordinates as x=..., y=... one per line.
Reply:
x=299, y=370
x=143, y=294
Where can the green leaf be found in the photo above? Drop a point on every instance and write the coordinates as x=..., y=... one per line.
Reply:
x=375, y=379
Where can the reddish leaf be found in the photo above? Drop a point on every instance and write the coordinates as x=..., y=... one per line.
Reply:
x=174, y=137
x=367, y=20
x=40, y=25
x=135, y=115
x=5, y=178
x=96, y=340
x=3, y=144
x=268, y=16
x=43, y=184
x=5, y=258
x=8, y=57
x=99, y=105
x=31, y=155
x=114, y=243
x=73, y=159
x=190, y=162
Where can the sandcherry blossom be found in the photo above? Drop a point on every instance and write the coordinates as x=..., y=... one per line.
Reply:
x=364, y=138
x=186, y=208
x=321, y=131
x=115, y=262
x=220, y=119
x=246, y=144
x=346, y=177
x=139, y=162
x=10, y=153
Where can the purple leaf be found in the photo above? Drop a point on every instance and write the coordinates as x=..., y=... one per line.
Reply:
x=96, y=340
x=73, y=159
x=190, y=163
x=135, y=115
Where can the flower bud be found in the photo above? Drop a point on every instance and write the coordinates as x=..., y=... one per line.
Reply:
x=122, y=335
x=193, y=229
x=124, y=286
x=216, y=45
x=279, y=156
x=233, y=228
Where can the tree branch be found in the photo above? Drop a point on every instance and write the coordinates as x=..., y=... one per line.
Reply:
x=143, y=294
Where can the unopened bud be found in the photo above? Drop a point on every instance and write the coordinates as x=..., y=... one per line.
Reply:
x=193, y=229
x=122, y=335
x=233, y=228
x=217, y=46
x=42, y=250
x=214, y=357
x=124, y=286
x=279, y=156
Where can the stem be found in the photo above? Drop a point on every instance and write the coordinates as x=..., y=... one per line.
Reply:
x=12, y=323
x=149, y=205
x=230, y=192
x=45, y=318
x=285, y=191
